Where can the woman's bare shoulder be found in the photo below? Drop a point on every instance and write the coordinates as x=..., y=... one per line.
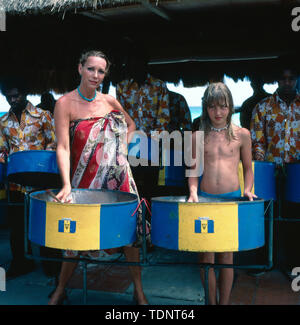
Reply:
x=112, y=101
x=65, y=101
x=66, y=98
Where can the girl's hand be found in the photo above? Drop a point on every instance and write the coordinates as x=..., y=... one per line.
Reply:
x=193, y=197
x=250, y=195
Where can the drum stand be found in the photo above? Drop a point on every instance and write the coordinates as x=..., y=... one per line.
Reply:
x=84, y=260
x=146, y=262
x=281, y=197
x=268, y=213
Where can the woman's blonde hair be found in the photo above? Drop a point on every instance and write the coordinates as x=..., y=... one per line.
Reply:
x=217, y=93
x=84, y=56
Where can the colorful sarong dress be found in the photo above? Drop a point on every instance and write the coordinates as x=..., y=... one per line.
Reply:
x=98, y=149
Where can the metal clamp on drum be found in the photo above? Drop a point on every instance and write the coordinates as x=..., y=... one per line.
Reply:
x=210, y=225
x=96, y=219
x=292, y=188
x=37, y=168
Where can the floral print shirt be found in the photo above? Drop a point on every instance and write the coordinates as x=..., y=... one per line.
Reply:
x=34, y=132
x=147, y=105
x=275, y=130
x=181, y=119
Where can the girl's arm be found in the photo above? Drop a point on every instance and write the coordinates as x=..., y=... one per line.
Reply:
x=246, y=158
x=193, y=180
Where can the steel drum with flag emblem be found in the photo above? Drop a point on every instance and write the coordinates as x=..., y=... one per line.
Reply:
x=210, y=225
x=96, y=219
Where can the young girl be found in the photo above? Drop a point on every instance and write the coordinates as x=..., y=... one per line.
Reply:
x=225, y=144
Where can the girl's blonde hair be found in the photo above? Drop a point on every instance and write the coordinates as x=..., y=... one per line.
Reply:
x=217, y=93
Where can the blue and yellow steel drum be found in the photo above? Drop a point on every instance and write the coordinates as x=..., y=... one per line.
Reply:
x=2, y=173
x=33, y=168
x=2, y=182
x=145, y=149
x=172, y=172
x=210, y=225
x=264, y=185
x=97, y=219
x=292, y=187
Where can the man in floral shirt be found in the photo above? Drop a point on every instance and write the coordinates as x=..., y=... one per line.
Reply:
x=23, y=127
x=146, y=100
x=275, y=131
x=275, y=124
x=180, y=114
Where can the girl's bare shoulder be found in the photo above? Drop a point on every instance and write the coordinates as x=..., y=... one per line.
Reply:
x=242, y=134
x=240, y=131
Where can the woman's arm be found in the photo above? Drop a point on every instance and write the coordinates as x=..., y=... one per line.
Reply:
x=129, y=121
x=62, y=123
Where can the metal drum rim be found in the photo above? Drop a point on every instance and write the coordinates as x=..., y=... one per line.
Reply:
x=264, y=162
x=293, y=163
x=162, y=199
x=134, y=198
x=22, y=151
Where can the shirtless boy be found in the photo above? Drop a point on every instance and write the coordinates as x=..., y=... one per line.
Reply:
x=225, y=145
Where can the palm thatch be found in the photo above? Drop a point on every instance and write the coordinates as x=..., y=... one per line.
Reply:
x=40, y=6
x=190, y=41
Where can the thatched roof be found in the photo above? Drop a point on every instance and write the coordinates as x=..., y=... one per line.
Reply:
x=189, y=40
x=43, y=6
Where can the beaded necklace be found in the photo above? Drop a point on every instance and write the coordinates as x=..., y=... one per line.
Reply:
x=85, y=98
x=219, y=129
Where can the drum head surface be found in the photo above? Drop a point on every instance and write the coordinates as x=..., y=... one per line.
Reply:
x=90, y=196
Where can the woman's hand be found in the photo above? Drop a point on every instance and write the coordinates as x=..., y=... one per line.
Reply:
x=64, y=193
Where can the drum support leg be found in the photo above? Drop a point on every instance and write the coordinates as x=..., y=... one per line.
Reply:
x=267, y=266
x=270, y=245
x=144, y=233
x=84, y=282
x=206, y=287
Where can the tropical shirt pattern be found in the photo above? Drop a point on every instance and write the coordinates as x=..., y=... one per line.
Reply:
x=147, y=105
x=34, y=132
x=99, y=160
x=180, y=114
x=275, y=130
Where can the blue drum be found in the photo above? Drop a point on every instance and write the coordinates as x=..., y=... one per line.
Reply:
x=2, y=173
x=96, y=219
x=143, y=150
x=172, y=172
x=37, y=168
x=210, y=225
x=292, y=185
x=264, y=179
x=147, y=151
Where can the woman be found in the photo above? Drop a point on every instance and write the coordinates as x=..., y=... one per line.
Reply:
x=225, y=144
x=85, y=120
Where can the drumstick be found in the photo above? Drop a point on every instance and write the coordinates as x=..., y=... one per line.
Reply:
x=53, y=196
